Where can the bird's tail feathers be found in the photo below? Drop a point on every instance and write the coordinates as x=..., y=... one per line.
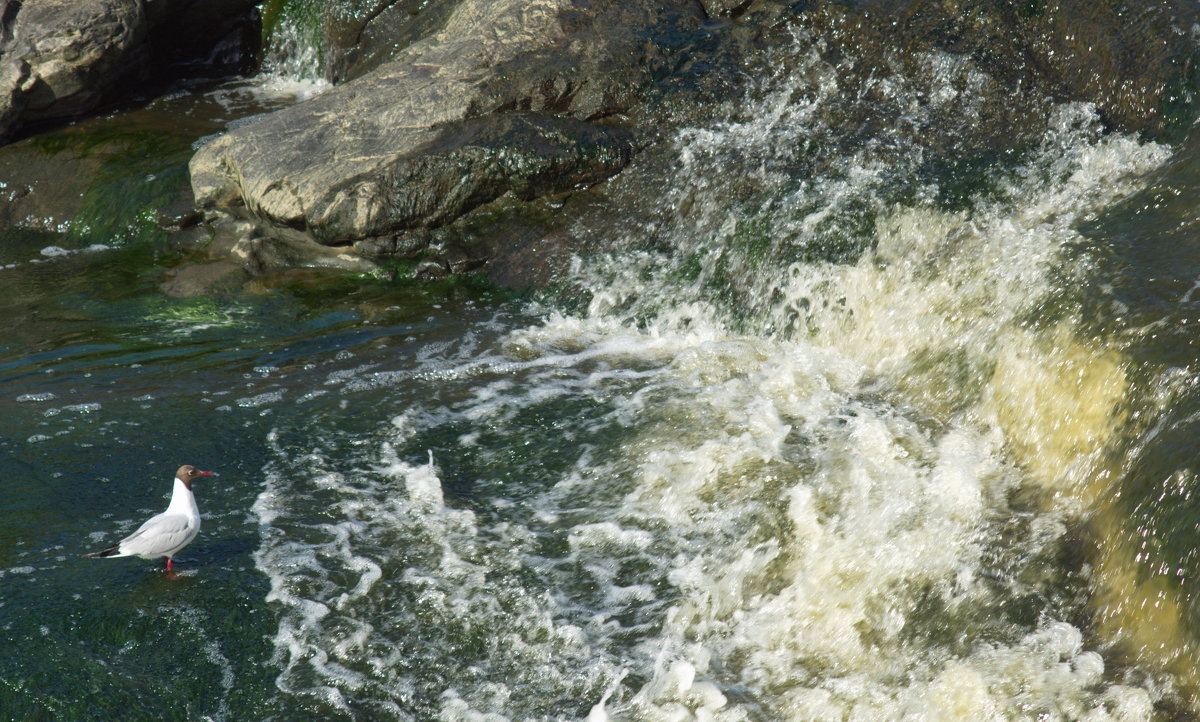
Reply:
x=112, y=551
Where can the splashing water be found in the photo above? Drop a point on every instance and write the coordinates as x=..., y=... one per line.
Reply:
x=820, y=454
x=292, y=64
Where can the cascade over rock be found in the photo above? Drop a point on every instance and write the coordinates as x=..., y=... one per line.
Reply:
x=510, y=96
x=445, y=109
x=476, y=100
x=1135, y=61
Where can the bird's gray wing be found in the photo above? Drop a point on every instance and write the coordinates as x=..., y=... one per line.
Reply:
x=159, y=535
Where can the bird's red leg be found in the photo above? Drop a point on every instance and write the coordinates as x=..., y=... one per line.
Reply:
x=168, y=564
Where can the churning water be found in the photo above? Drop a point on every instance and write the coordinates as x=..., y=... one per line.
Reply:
x=816, y=445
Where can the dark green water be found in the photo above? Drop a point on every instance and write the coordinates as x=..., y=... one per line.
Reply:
x=846, y=445
x=108, y=385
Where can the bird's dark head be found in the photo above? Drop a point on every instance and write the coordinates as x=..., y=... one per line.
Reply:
x=188, y=473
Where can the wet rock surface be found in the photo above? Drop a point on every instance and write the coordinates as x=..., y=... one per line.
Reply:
x=62, y=56
x=418, y=142
x=506, y=98
x=60, y=59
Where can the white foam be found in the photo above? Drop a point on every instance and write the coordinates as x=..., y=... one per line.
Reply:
x=792, y=504
x=35, y=398
x=196, y=622
x=417, y=565
x=819, y=602
x=264, y=399
x=59, y=252
x=282, y=87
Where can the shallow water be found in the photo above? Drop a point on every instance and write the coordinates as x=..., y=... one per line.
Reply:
x=834, y=447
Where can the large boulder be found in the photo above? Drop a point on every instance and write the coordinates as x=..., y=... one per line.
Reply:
x=99, y=180
x=60, y=57
x=63, y=58
x=364, y=41
x=502, y=99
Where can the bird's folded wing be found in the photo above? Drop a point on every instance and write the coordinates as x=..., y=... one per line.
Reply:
x=159, y=534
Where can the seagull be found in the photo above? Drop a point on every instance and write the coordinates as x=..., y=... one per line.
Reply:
x=163, y=535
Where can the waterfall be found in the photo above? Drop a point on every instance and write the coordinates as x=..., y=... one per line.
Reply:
x=295, y=54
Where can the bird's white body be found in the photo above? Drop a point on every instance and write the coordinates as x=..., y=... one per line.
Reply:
x=163, y=535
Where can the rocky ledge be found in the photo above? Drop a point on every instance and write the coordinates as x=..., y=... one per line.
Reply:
x=534, y=99
x=509, y=98
x=466, y=135
x=60, y=59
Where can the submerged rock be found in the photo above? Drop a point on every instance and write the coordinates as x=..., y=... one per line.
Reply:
x=100, y=180
x=716, y=8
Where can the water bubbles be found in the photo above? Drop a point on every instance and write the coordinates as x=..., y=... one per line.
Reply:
x=263, y=399
x=35, y=398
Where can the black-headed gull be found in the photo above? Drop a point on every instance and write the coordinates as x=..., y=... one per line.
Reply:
x=163, y=535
